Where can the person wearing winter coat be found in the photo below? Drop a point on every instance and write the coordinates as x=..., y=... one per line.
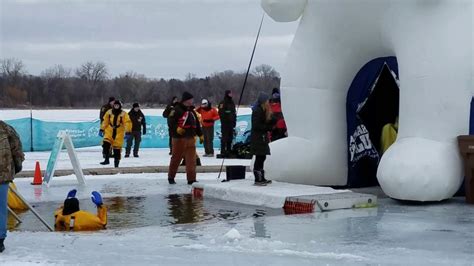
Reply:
x=166, y=114
x=11, y=160
x=185, y=127
x=105, y=108
x=69, y=217
x=228, y=116
x=279, y=130
x=209, y=116
x=114, y=129
x=262, y=123
x=138, y=123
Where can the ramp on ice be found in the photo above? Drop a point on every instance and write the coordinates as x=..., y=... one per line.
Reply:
x=293, y=198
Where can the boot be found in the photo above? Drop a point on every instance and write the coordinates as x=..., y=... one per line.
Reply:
x=258, y=178
x=2, y=246
x=127, y=155
x=171, y=181
x=263, y=178
x=198, y=161
x=106, y=161
x=116, y=163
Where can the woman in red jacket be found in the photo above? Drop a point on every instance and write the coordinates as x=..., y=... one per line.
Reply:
x=209, y=116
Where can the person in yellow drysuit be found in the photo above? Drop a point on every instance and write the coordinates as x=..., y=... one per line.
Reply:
x=14, y=202
x=389, y=135
x=115, y=127
x=70, y=218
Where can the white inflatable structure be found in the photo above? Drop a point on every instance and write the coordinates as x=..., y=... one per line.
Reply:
x=433, y=43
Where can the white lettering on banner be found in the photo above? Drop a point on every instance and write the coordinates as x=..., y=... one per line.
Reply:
x=360, y=144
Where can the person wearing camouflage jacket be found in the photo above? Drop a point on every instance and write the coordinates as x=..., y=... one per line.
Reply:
x=11, y=159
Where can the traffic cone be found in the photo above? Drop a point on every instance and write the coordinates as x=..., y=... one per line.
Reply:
x=37, y=180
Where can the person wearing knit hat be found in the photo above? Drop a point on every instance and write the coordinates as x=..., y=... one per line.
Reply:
x=185, y=126
x=261, y=126
x=166, y=114
x=138, y=123
x=107, y=106
x=187, y=97
x=228, y=116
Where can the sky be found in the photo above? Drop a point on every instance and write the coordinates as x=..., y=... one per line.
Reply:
x=157, y=38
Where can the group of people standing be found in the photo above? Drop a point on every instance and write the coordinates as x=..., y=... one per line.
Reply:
x=188, y=124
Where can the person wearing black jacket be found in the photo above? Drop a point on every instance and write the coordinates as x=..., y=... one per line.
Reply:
x=228, y=116
x=262, y=123
x=166, y=114
x=185, y=126
x=138, y=122
x=105, y=108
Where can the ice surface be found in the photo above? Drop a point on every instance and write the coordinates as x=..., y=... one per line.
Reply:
x=233, y=234
x=272, y=196
x=90, y=158
x=393, y=234
x=433, y=43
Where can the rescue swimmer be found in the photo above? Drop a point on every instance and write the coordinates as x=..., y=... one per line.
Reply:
x=69, y=217
x=115, y=127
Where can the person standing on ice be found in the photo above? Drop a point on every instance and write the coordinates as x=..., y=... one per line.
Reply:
x=166, y=114
x=185, y=127
x=11, y=160
x=262, y=124
x=106, y=107
x=279, y=130
x=228, y=115
x=69, y=217
x=209, y=117
x=138, y=122
x=114, y=129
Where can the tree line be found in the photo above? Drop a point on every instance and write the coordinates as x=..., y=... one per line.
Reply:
x=90, y=85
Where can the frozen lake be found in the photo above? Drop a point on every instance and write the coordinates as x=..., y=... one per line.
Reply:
x=391, y=234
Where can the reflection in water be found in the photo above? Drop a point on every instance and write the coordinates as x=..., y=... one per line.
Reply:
x=185, y=209
x=164, y=210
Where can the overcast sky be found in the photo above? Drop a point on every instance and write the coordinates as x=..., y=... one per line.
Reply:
x=158, y=38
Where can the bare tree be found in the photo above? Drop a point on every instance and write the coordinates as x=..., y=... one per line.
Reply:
x=12, y=69
x=265, y=71
x=93, y=73
x=93, y=76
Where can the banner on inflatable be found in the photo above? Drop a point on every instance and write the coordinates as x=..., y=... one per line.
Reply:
x=42, y=134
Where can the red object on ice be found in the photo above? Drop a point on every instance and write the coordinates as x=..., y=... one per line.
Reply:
x=298, y=207
x=37, y=180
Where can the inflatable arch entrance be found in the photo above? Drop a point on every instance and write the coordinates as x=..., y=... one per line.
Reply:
x=433, y=44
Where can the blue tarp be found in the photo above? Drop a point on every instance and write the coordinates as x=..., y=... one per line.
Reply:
x=359, y=144
x=85, y=134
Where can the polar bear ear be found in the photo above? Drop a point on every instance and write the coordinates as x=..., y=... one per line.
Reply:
x=284, y=10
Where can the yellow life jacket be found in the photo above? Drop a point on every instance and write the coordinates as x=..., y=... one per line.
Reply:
x=81, y=220
x=14, y=202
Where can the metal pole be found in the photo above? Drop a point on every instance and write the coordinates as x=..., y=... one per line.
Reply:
x=32, y=210
x=245, y=80
x=31, y=121
x=14, y=215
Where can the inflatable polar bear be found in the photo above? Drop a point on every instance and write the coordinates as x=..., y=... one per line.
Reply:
x=432, y=40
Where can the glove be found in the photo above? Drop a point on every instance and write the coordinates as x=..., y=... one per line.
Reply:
x=127, y=136
x=180, y=131
x=144, y=130
x=71, y=194
x=96, y=198
x=201, y=139
x=101, y=133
